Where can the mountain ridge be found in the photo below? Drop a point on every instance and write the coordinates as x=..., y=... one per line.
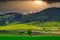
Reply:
x=45, y=16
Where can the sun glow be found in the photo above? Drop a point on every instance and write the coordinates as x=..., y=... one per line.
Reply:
x=38, y=2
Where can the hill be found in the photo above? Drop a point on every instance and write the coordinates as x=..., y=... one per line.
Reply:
x=47, y=17
x=9, y=18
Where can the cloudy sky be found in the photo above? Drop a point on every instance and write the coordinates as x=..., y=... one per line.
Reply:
x=49, y=1
x=26, y=6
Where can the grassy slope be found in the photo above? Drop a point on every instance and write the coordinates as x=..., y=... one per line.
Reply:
x=45, y=24
x=25, y=26
x=18, y=26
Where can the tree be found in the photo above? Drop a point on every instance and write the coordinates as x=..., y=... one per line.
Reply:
x=29, y=32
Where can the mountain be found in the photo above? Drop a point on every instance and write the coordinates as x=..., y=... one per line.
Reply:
x=13, y=17
x=46, y=17
x=9, y=18
x=49, y=16
x=2, y=20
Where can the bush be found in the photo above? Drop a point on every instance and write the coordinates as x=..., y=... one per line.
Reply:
x=29, y=32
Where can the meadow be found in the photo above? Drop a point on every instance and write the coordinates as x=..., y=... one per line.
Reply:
x=26, y=29
x=30, y=37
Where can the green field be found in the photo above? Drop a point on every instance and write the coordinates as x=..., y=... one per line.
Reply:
x=18, y=26
x=24, y=26
x=14, y=29
x=29, y=37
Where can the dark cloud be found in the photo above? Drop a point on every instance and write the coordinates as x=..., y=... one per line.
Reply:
x=16, y=0
x=48, y=1
x=51, y=1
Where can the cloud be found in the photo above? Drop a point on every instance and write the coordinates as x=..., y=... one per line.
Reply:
x=16, y=0
x=48, y=1
x=51, y=1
